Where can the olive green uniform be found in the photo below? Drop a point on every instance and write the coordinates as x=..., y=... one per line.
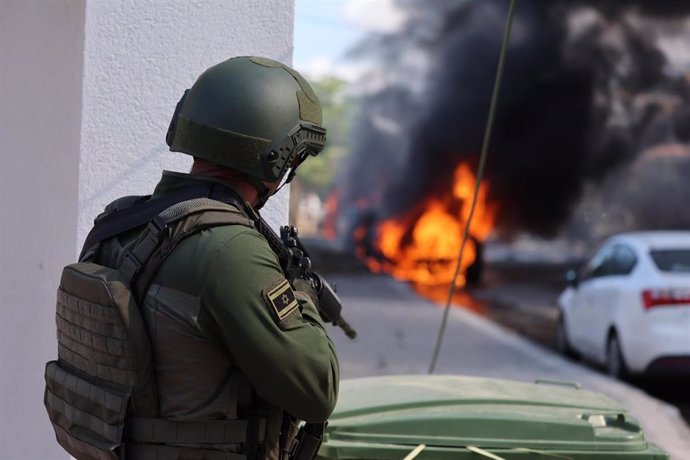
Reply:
x=220, y=349
x=239, y=354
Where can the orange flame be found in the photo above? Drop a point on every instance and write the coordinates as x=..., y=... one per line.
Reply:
x=331, y=205
x=422, y=246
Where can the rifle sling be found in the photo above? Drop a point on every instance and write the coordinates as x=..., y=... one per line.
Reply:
x=143, y=212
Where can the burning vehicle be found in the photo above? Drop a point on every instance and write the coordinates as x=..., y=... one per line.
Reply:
x=421, y=245
x=589, y=87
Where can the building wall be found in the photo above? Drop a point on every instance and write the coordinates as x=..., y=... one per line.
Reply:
x=41, y=49
x=87, y=88
x=135, y=71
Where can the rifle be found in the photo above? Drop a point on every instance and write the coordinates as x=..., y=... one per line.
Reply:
x=295, y=262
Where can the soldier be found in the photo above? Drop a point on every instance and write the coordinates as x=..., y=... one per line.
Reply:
x=231, y=338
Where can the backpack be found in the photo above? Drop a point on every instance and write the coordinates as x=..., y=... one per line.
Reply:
x=101, y=389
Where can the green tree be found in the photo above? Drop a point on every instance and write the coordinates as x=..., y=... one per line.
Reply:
x=318, y=174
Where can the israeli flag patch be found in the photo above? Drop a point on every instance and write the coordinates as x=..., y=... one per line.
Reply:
x=282, y=299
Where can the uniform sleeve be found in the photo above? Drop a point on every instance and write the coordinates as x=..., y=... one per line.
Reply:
x=292, y=362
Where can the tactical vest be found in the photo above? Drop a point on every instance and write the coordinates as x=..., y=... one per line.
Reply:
x=101, y=392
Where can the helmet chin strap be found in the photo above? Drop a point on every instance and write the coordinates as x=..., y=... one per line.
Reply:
x=263, y=191
x=291, y=174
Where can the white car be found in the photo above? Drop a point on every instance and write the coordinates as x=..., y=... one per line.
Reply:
x=628, y=308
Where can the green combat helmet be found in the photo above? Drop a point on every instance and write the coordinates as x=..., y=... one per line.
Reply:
x=250, y=114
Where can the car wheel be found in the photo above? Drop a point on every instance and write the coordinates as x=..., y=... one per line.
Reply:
x=615, y=362
x=562, y=341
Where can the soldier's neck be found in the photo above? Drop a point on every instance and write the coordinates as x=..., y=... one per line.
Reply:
x=234, y=179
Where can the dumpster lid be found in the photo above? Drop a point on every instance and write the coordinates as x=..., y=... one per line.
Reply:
x=460, y=411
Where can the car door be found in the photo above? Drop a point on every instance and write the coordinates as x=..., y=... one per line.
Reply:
x=583, y=310
x=605, y=295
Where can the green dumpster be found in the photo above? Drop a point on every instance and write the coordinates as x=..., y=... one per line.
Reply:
x=457, y=417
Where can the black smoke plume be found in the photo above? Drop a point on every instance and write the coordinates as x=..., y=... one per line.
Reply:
x=587, y=88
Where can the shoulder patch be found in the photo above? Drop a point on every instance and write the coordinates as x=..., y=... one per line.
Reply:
x=282, y=300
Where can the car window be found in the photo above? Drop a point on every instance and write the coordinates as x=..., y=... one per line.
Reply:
x=596, y=266
x=672, y=260
x=623, y=261
x=612, y=260
x=602, y=267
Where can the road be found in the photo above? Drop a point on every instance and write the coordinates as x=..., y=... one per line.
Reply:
x=397, y=332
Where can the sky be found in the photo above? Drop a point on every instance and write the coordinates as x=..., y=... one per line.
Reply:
x=326, y=29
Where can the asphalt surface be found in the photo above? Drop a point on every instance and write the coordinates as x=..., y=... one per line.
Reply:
x=397, y=331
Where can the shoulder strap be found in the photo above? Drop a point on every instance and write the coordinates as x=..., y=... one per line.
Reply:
x=134, y=213
x=128, y=213
x=182, y=220
x=170, y=219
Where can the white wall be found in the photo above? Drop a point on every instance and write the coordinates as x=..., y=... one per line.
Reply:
x=87, y=88
x=140, y=56
x=40, y=100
